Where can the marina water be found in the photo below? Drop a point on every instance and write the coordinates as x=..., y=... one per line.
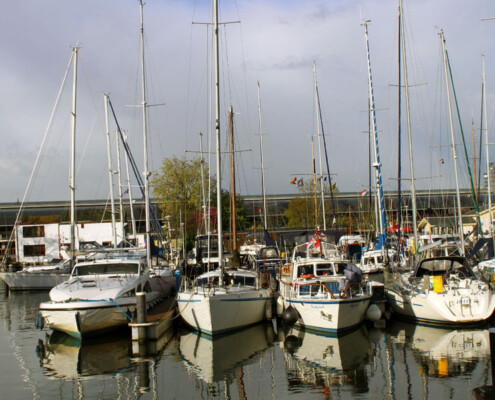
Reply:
x=266, y=361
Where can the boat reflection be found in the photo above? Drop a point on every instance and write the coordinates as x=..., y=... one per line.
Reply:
x=63, y=356
x=19, y=309
x=443, y=352
x=218, y=359
x=327, y=361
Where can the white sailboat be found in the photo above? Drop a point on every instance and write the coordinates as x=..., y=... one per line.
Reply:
x=222, y=300
x=441, y=290
x=101, y=294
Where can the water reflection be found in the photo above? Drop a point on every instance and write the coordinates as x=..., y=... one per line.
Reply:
x=443, y=352
x=106, y=360
x=401, y=361
x=18, y=311
x=218, y=359
x=62, y=356
x=327, y=361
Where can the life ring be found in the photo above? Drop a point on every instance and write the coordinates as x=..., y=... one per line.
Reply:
x=286, y=270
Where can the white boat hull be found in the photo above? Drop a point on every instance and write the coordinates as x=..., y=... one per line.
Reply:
x=222, y=311
x=85, y=318
x=460, y=306
x=329, y=315
x=32, y=281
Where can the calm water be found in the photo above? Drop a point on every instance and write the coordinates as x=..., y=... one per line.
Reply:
x=403, y=361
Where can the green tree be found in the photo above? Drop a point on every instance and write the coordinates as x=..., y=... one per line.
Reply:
x=301, y=210
x=241, y=211
x=178, y=189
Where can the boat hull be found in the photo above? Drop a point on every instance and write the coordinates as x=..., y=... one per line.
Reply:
x=87, y=318
x=20, y=281
x=331, y=316
x=223, y=311
x=461, y=306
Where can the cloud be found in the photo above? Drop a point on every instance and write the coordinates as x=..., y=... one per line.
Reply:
x=275, y=44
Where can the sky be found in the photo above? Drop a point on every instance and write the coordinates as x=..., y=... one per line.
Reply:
x=276, y=43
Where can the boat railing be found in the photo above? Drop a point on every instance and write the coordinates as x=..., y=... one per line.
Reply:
x=330, y=290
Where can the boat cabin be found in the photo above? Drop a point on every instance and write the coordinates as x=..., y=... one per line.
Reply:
x=320, y=269
x=443, y=266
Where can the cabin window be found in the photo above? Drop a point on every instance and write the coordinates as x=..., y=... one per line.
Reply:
x=324, y=269
x=106, y=269
x=308, y=290
x=34, y=250
x=205, y=281
x=33, y=231
x=339, y=268
x=333, y=287
x=305, y=270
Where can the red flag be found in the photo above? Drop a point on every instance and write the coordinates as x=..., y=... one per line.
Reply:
x=293, y=181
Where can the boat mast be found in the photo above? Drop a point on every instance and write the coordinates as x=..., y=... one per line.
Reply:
x=129, y=191
x=217, y=130
x=73, y=163
x=376, y=164
x=121, y=194
x=488, y=172
x=399, y=150
x=334, y=219
x=110, y=171
x=319, y=149
x=203, y=182
x=145, y=144
x=409, y=134
x=454, y=151
x=262, y=163
x=314, y=180
x=233, y=188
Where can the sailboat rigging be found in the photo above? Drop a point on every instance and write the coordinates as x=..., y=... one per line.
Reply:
x=224, y=299
x=321, y=132
x=380, y=203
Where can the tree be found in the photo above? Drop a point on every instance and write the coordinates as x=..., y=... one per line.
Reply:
x=301, y=210
x=179, y=190
x=241, y=211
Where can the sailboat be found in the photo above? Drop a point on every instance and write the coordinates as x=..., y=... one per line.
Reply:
x=223, y=299
x=101, y=293
x=442, y=289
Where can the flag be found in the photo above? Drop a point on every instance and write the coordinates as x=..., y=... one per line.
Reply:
x=364, y=192
x=300, y=182
x=442, y=161
x=333, y=186
x=318, y=243
x=310, y=242
x=293, y=181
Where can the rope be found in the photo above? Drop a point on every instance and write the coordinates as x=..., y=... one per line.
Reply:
x=120, y=308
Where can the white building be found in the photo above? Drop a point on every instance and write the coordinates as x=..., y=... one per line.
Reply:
x=42, y=242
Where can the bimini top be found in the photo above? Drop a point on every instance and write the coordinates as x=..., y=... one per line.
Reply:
x=443, y=266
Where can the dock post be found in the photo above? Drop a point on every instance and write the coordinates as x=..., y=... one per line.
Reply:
x=141, y=313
